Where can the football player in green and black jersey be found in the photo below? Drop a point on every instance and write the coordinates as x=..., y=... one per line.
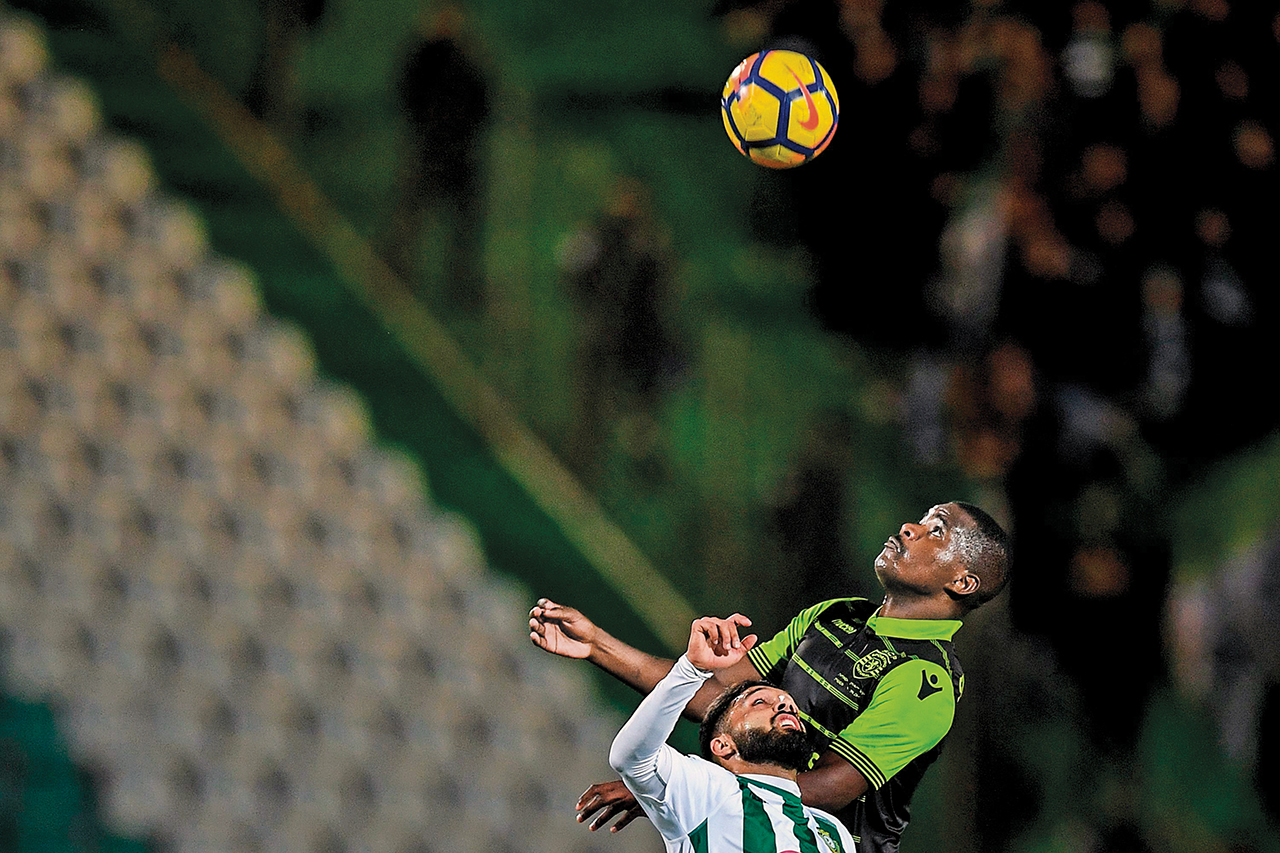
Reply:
x=876, y=684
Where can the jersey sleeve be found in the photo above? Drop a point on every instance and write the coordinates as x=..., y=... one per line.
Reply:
x=909, y=714
x=769, y=656
x=692, y=789
x=676, y=791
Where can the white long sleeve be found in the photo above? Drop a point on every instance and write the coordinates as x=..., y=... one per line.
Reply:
x=640, y=752
x=699, y=806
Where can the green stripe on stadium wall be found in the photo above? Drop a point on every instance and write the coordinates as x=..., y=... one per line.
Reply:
x=524, y=456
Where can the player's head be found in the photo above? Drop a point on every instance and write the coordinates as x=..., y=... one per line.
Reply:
x=757, y=723
x=957, y=550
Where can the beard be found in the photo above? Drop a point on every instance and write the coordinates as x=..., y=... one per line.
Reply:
x=787, y=748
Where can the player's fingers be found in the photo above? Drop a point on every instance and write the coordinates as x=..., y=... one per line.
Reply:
x=587, y=806
x=713, y=633
x=630, y=815
x=599, y=794
x=730, y=631
x=552, y=610
x=610, y=811
x=749, y=641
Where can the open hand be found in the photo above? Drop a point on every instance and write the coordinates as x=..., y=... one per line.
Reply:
x=611, y=799
x=715, y=643
x=561, y=630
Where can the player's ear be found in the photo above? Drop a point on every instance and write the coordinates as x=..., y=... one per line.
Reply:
x=965, y=583
x=723, y=747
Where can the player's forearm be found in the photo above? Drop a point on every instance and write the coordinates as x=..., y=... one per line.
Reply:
x=637, y=669
x=832, y=784
x=696, y=710
x=643, y=671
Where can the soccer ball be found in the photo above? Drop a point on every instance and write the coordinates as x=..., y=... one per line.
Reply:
x=779, y=108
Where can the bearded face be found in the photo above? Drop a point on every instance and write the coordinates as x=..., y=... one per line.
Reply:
x=787, y=748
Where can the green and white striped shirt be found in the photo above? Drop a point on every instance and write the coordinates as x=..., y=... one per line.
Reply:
x=700, y=807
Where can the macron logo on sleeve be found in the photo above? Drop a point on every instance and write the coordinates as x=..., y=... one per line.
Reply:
x=928, y=685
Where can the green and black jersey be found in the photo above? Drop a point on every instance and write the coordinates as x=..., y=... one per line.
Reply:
x=879, y=692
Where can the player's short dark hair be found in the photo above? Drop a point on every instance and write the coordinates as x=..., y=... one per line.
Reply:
x=713, y=722
x=985, y=547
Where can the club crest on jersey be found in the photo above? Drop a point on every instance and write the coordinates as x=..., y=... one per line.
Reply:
x=832, y=844
x=871, y=665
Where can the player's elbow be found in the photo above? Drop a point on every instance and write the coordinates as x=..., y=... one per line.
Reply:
x=621, y=756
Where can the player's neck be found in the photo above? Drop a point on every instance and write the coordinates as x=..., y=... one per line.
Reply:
x=739, y=767
x=899, y=606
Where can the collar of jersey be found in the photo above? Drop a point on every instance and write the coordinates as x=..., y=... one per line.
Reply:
x=767, y=781
x=913, y=629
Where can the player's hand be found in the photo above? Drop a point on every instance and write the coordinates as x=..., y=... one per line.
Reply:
x=716, y=643
x=561, y=630
x=610, y=799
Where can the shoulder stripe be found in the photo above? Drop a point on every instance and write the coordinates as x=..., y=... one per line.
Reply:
x=827, y=685
x=814, y=724
x=946, y=658
x=792, y=810
x=758, y=660
x=830, y=636
x=860, y=762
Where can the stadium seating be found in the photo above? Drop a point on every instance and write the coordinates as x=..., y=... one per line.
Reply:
x=260, y=633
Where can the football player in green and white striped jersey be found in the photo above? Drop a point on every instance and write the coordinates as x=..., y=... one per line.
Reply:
x=741, y=796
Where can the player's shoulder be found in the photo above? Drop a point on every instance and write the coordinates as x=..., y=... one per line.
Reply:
x=714, y=775
x=848, y=614
x=859, y=608
x=916, y=680
x=705, y=785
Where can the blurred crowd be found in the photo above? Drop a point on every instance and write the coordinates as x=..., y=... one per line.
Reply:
x=1059, y=230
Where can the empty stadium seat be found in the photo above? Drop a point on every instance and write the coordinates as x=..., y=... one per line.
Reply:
x=263, y=634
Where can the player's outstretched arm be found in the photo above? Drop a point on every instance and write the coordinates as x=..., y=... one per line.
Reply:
x=565, y=631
